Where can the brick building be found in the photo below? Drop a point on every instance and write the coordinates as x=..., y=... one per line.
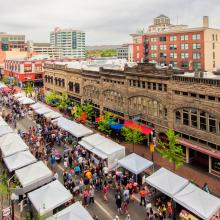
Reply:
x=12, y=41
x=188, y=103
x=178, y=45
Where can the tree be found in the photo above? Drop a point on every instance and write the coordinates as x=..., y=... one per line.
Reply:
x=170, y=149
x=83, y=112
x=4, y=191
x=29, y=88
x=5, y=80
x=104, y=125
x=50, y=96
x=133, y=135
x=64, y=101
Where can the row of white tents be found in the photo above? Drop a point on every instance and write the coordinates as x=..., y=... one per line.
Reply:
x=33, y=174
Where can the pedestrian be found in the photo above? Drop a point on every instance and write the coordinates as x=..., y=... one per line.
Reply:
x=118, y=201
x=105, y=192
x=142, y=195
x=116, y=218
x=85, y=197
x=128, y=217
x=91, y=194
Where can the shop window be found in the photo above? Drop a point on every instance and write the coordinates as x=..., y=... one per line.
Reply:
x=216, y=164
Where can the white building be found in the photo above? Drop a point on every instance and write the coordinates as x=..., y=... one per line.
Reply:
x=45, y=48
x=125, y=51
x=71, y=41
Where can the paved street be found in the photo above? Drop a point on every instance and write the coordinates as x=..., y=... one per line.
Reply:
x=104, y=210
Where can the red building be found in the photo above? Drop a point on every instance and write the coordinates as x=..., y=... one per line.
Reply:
x=178, y=45
x=25, y=71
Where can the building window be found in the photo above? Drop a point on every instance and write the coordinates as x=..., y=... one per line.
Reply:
x=173, y=47
x=149, y=85
x=173, y=63
x=184, y=56
x=153, y=55
x=143, y=85
x=184, y=37
x=153, y=47
x=196, y=36
x=194, y=118
x=173, y=38
x=196, y=56
x=213, y=37
x=178, y=117
x=173, y=55
x=185, y=117
x=163, y=55
x=70, y=86
x=77, y=88
x=153, y=39
x=203, y=120
x=184, y=64
x=213, y=55
x=213, y=64
x=154, y=86
x=184, y=46
x=196, y=46
x=160, y=88
x=163, y=38
x=216, y=37
x=213, y=46
x=196, y=65
x=163, y=47
x=202, y=96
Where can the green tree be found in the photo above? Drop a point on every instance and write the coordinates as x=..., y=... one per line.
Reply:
x=50, y=96
x=5, y=80
x=170, y=149
x=104, y=125
x=84, y=108
x=4, y=191
x=64, y=101
x=29, y=88
x=133, y=136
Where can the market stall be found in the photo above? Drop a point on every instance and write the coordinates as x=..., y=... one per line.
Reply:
x=53, y=115
x=37, y=106
x=32, y=177
x=5, y=129
x=19, y=160
x=104, y=149
x=197, y=201
x=25, y=101
x=43, y=110
x=75, y=211
x=167, y=182
x=49, y=197
x=135, y=163
x=18, y=95
x=2, y=122
x=77, y=130
x=12, y=143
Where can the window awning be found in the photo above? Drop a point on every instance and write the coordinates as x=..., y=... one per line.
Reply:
x=212, y=153
x=143, y=129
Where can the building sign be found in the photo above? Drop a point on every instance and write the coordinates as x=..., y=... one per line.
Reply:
x=6, y=213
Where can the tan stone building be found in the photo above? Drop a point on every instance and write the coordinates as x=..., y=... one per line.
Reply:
x=188, y=103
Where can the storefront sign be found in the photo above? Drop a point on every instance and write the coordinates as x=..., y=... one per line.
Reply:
x=6, y=213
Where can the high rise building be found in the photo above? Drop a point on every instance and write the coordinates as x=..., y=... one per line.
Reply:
x=178, y=45
x=71, y=41
x=12, y=41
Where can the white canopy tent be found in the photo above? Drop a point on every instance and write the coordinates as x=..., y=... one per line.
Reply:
x=135, y=163
x=5, y=129
x=199, y=202
x=2, y=122
x=49, y=197
x=75, y=212
x=37, y=105
x=167, y=182
x=43, y=110
x=104, y=148
x=77, y=130
x=11, y=143
x=26, y=101
x=34, y=176
x=19, y=160
x=2, y=85
x=18, y=95
x=52, y=115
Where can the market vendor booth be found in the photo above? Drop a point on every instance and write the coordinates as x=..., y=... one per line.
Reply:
x=19, y=160
x=135, y=164
x=49, y=199
x=198, y=202
x=75, y=211
x=102, y=149
x=32, y=177
x=5, y=129
x=11, y=143
x=25, y=101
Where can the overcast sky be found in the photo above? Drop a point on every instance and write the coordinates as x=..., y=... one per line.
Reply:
x=104, y=21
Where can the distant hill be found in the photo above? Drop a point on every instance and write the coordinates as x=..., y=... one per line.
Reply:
x=102, y=47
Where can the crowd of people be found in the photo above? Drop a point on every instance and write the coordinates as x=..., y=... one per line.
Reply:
x=82, y=175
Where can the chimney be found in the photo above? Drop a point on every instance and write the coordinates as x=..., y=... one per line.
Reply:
x=205, y=21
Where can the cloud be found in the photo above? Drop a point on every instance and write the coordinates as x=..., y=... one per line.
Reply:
x=104, y=21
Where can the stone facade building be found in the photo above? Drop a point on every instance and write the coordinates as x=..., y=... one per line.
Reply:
x=187, y=103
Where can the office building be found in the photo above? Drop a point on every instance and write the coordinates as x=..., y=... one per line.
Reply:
x=72, y=42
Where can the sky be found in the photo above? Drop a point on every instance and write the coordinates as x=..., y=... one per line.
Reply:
x=104, y=21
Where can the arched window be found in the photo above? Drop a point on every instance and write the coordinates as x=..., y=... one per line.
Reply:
x=178, y=117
